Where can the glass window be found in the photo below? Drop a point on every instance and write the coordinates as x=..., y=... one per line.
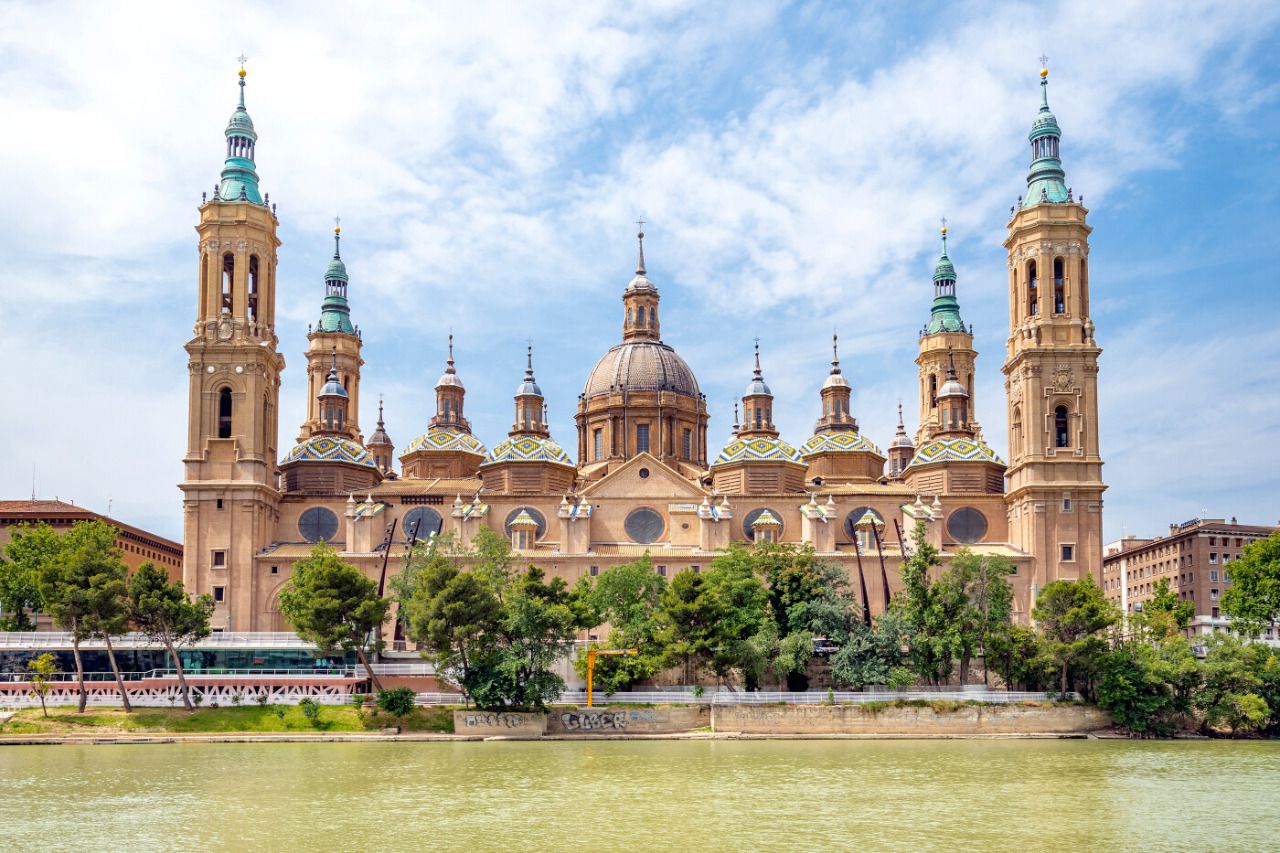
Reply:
x=597, y=438
x=1068, y=553
x=642, y=438
x=644, y=525
x=219, y=593
x=686, y=442
x=1061, y=438
x=219, y=558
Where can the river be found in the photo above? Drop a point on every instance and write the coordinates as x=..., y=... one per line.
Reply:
x=1043, y=795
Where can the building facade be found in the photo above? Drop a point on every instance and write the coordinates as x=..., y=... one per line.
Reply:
x=1194, y=558
x=647, y=477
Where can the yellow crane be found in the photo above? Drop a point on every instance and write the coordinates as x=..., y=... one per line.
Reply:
x=591, y=663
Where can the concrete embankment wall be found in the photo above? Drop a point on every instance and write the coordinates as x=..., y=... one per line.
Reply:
x=929, y=719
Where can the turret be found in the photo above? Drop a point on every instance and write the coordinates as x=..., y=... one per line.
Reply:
x=530, y=405
x=450, y=395
x=757, y=405
x=381, y=446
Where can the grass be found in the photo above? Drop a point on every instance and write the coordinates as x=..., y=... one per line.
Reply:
x=270, y=718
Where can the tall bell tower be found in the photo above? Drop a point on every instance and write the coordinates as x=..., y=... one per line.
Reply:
x=1055, y=486
x=230, y=495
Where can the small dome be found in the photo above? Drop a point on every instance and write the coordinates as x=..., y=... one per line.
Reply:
x=326, y=448
x=902, y=440
x=240, y=124
x=439, y=439
x=332, y=387
x=449, y=380
x=528, y=448
x=337, y=270
x=523, y=519
x=944, y=270
x=640, y=284
x=528, y=388
x=953, y=450
x=766, y=519
x=952, y=388
x=836, y=380
x=757, y=386
x=641, y=366
x=762, y=449
x=846, y=441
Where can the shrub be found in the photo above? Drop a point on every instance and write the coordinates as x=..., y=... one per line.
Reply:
x=900, y=677
x=261, y=699
x=236, y=699
x=831, y=696
x=197, y=697
x=311, y=710
x=397, y=701
x=279, y=712
x=698, y=691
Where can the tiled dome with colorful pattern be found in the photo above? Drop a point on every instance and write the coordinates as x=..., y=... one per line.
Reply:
x=953, y=450
x=528, y=448
x=838, y=442
x=760, y=449
x=327, y=448
x=442, y=440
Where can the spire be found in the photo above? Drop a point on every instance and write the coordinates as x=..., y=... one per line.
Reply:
x=239, y=175
x=1046, y=180
x=531, y=408
x=757, y=386
x=335, y=312
x=900, y=438
x=835, y=354
x=944, y=316
x=640, y=237
x=529, y=387
x=332, y=387
x=449, y=362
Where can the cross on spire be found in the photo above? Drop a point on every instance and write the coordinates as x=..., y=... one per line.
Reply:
x=640, y=237
x=1044, y=61
x=242, y=59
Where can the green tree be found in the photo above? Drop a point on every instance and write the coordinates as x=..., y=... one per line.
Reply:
x=1070, y=615
x=868, y=656
x=332, y=604
x=686, y=619
x=1253, y=599
x=976, y=601
x=1145, y=686
x=928, y=611
x=167, y=615
x=42, y=669
x=1022, y=658
x=397, y=701
x=1230, y=681
x=84, y=591
x=28, y=552
x=1164, y=613
x=743, y=636
x=627, y=597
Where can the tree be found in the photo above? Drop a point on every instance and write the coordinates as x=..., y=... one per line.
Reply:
x=42, y=669
x=332, y=604
x=397, y=701
x=627, y=597
x=868, y=656
x=29, y=551
x=978, y=602
x=167, y=615
x=742, y=635
x=1022, y=657
x=1164, y=613
x=84, y=591
x=1145, y=686
x=928, y=612
x=1070, y=615
x=686, y=619
x=1229, y=684
x=1253, y=599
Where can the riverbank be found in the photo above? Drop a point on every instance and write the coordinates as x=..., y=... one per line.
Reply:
x=255, y=719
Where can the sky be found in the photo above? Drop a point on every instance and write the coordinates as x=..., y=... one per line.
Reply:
x=792, y=161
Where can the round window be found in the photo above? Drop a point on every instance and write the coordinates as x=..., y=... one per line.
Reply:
x=855, y=516
x=533, y=513
x=644, y=473
x=644, y=525
x=967, y=525
x=750, y=519
x=318, y=524
x=422, y=521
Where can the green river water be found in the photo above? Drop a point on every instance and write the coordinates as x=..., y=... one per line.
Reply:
x=1070, y=795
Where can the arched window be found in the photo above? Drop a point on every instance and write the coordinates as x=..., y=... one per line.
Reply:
x=1033, y=290
x=1060, y=427
x=1017, y=430
x=253, y=287
x=628, y=316
x=228, y=275
x=933, y=391
x=1059, y=288
x=640, y=316
x=759, y=417
x=204, y=284
x=1084, y=287
x=224, y=413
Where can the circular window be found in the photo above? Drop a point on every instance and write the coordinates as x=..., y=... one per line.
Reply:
x=750, y=519
x=533, y=513
x=966, y=525
x=423, y=521
x=644, y=473
x=644, y=525
x=855, y=516
x=318, y=524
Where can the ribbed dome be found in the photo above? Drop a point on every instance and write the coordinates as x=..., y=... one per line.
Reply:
x=326, y=448
x=240, y=124
x=641, y=366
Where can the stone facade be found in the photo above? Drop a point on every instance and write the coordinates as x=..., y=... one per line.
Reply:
x=644, y=478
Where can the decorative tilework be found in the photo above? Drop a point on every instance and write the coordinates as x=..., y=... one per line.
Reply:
x=954, y=450
x=758, y=450
x=523, y=519
x=766, y=519
x=528, y=448
x=441, y=439
x=838, y=442
x=325, y=448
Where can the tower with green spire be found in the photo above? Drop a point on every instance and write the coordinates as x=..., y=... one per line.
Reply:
x=1054, y=478
x=335, y=312
x=239, y=175
x=943, y=340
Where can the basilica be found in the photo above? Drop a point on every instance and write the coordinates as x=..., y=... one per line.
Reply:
x=639, y=477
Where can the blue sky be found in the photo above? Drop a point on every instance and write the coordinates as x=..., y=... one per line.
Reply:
x=792, y=159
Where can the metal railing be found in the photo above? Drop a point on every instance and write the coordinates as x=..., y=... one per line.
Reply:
x=733, y=697
x=205, y=674
x=403, y=668
x=134, y=640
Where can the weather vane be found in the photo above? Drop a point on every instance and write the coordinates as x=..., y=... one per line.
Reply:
x=640, y=222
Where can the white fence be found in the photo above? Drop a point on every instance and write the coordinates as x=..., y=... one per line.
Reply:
x=732, y=697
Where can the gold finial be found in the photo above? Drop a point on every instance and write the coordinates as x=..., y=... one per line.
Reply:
x=1044, y=66
x=944, y=226
x=337, y=225
x=242, y=59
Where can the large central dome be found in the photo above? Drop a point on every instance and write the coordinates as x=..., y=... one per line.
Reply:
x=641, y=366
